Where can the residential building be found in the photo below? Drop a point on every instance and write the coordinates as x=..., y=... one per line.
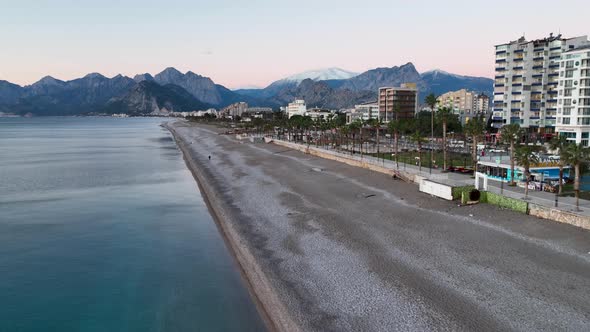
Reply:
x=573, y=98
x=482, y=104
x=404, y=99
x=526, y=78
x=297, y=107
x=234, y=110
x=363, y=112
x=465, y=104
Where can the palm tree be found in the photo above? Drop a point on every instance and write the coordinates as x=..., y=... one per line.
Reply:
x=577, y=155
x=376, y=124
x=354, y=127
x=393, y=126
x=431, y=100
x=560, y=143
x=511, y=134
x=443, y=115
x=475, y=128
x=525, y=156
x=417, y=138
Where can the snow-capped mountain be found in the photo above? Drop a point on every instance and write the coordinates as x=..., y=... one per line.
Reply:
x=436, y=72
x=321, y=75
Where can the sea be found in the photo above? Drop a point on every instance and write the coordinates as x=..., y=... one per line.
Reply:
x=103, y=228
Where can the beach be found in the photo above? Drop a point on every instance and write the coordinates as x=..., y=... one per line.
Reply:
x=332, y=247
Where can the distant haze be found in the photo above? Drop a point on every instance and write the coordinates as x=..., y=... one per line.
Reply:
x=254, y=44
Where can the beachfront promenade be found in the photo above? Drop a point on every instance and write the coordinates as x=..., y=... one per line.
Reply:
x=542, y=198
x=327, y=246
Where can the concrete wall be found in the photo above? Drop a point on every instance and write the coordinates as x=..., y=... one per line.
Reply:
x=366, y=163
x=436, y=189
x=559, y=215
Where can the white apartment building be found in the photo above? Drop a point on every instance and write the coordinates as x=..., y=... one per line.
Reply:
x=465, y=104
x=363, y=112
x=526, y=78
x=573, y=98
x=297, y=107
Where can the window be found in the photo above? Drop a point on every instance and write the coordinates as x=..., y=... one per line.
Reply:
x=566, y=121
x=569, y=83
x=567, y=111
x=569, y=74
x=584, y=121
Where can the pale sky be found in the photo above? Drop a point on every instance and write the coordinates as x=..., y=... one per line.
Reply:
x=252, y=43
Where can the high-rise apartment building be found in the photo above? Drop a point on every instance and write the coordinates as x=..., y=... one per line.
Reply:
x=526, y=78
x=403, y=99
x=573, y=98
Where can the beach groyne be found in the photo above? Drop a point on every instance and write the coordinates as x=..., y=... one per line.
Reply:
x=271, y=307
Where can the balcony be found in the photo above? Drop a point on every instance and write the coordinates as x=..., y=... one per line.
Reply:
x=555, y=65
x=498, y=85
x=539, y=49
x=500, y=60
x=537, y=67
x=516, y=68
x=500, y=68
x=555, y=48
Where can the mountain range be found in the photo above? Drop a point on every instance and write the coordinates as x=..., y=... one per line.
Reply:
x=171, y=90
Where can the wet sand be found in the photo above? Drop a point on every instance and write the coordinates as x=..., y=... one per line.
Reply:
x=327, y=246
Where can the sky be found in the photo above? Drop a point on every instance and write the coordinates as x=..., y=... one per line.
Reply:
x=255, y=42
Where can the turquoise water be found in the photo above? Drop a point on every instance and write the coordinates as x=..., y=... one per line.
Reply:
x=102, y=228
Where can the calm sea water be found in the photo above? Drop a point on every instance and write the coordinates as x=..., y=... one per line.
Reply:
x=102, y=228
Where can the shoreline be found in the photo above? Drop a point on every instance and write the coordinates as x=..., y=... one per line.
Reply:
x=270, y=307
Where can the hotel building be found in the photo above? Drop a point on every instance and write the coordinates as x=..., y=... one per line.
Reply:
x=573, y=98
x=526, y=79
x=404, y=99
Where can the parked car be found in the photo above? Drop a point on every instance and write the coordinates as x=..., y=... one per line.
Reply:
x=497, y=150
x=554, y=157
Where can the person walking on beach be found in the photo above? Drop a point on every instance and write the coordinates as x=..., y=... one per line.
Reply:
x=209, y=157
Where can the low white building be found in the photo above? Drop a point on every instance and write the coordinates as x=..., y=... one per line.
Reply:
x=317, y=113
x=363, y=112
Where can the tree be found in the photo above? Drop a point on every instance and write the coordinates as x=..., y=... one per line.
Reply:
x=525, y=156
x=354, y=127
x=511, y=134
x=559, y=143
x=577, y=155
x=475, y=128
x=443, y=115
x=418, y=139
x=431, y=100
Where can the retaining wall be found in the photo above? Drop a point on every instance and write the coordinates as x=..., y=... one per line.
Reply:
x=559, y=215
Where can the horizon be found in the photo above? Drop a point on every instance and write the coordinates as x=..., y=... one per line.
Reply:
x=234, y=46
